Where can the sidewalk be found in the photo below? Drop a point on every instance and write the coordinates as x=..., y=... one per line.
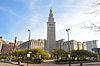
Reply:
x=7, y=64
x=49, y=63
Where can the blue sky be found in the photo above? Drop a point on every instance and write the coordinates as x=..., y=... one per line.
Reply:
x=17, y=16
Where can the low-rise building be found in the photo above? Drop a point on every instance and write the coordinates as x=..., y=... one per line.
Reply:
x=45, y=44
x=79, y=45
x=7, y=48
x=11, y=44
x=59, y=43
x=72, y=44
x=84, y=46
x=19, y=42
x=33, y=44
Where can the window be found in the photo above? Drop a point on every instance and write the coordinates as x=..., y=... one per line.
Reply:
x=51, y=24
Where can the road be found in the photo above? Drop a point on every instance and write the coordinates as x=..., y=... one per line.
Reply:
x=49, y=63
x=52, y=64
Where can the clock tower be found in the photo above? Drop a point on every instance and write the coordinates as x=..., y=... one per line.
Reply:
x=51, y=37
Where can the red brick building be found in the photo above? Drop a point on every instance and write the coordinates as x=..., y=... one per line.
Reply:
x=6, y=48
x=12, y=44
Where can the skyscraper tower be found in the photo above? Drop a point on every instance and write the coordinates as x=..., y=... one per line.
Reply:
x=51, y=40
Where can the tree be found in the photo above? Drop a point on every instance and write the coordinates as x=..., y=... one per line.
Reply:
x=35, y=55
x=0, y=55
x=82, y=54
x=18, y=54
x=57, y=53
x=95, y=26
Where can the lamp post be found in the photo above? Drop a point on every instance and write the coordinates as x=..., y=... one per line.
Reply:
x=28, y=47
x=69, y=47
x=15, y=43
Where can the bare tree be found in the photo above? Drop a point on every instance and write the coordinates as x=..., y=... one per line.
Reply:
x=95, y=26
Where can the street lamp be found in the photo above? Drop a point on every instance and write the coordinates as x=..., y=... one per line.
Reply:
x=28, y=47
x=15, y=43
x=69, y=47
x=29, y=39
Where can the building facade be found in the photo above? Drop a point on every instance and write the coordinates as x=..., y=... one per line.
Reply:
x=59, y=43
x=79, y=46
x=84, y=46
x=32, y=44
x=0, y=43
x=91, y=44
x=19, y=42
x=7, y=48
x=51, y=36
x=73, y=44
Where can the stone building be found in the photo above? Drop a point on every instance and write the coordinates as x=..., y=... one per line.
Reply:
x=19, y=42
x=45, y=44
x=32, y=44
x=73, y=44
x=51, y=36
x=84, y=46
x=59, y=43
x=79, y=45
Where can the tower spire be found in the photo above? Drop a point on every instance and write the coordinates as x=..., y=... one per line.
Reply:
x=51, y=18
x=51, y=35
x=51, y=10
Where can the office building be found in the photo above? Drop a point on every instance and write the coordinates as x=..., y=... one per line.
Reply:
x=91, y=44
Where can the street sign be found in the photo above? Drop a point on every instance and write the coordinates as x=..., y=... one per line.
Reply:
x=28, y=55
x=29, y=52
x=69, y=55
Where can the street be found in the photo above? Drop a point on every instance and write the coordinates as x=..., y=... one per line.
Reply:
x=47, y=63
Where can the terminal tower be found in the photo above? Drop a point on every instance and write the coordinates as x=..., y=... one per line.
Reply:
x=51, y=32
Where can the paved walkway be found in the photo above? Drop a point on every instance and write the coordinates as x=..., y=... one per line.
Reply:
x=52, y=64
x=48, y=63
x=7, y=64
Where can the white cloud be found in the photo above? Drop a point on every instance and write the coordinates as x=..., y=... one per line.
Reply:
x=36, y=26
x=32, y=3
x=5, y=9
x=70, y=20
x=29, y=3
x=75, y=21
